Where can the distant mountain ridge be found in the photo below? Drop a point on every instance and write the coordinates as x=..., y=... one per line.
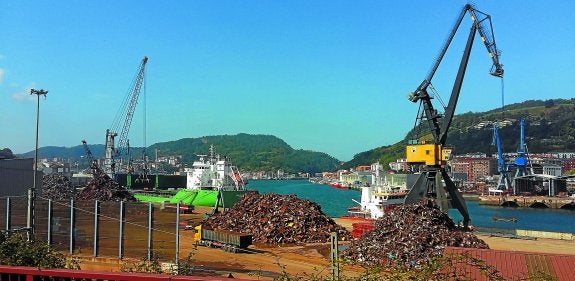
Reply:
x=248, y=152
x=550, y=127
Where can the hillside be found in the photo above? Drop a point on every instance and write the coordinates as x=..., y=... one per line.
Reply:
x=248, y=152
x=252, y=153
x=550, y=127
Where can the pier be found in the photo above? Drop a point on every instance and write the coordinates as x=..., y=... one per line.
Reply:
x=541, y=202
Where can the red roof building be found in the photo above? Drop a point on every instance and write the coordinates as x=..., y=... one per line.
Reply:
x=518, y=265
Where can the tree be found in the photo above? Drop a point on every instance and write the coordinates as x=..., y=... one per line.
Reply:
x=6, y=153
x=17, y=250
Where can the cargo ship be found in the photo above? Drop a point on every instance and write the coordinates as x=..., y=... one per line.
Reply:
x=210, y=177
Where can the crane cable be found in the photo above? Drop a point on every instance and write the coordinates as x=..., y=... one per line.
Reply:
x=502, y=99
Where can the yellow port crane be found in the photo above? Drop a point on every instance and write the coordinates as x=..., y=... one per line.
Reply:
x=433, y=182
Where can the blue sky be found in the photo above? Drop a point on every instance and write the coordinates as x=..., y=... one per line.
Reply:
x=329, y=76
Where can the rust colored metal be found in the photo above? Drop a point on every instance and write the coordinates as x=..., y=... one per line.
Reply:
x=278, y=219
x=101, y=188
x=409, y=236
x=57, y=187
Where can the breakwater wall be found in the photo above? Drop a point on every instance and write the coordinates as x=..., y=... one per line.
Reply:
x=529, y=201
x=525, y=234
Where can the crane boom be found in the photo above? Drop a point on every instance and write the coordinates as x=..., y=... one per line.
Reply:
x=124, y=116
x=131, y=107
x=96, y=170
x=435, y=155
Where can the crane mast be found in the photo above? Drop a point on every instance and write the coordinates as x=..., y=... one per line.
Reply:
x=125, y=114
x=521, y=159
x=434, y=181
x=504, y=181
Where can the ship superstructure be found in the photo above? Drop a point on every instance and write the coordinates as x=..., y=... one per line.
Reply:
x=213, y=173
x=379, y=198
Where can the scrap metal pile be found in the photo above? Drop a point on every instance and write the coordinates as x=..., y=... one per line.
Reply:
x=57, y=187
x=409, y=236
x=102, y=188
x=277, y=219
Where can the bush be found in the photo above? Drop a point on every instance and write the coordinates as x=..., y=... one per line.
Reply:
x=17, y=250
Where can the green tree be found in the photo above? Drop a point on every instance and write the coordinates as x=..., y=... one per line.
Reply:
x=17, y=250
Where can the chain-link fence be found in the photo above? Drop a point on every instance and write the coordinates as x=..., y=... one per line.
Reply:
x=111, y=229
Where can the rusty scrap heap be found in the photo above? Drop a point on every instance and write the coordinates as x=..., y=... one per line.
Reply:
x=57, y=187
x=273, y=218
x=103, y=188
x=409, y=236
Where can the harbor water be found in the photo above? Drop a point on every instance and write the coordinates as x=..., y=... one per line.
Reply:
x=334, y=203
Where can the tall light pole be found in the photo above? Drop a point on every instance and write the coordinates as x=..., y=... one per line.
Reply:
x=32, y=191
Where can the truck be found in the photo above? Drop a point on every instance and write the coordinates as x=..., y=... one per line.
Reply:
x=228, y=241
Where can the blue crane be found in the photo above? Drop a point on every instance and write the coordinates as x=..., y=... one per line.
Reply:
x=521, y=159
x=504, y=181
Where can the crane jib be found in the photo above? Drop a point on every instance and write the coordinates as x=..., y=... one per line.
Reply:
x=124, y=116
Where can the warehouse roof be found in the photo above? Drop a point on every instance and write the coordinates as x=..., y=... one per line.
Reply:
x=519, y=265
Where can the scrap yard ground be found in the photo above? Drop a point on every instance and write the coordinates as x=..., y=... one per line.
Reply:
x=266, y=262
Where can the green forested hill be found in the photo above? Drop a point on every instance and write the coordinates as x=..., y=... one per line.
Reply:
x=248, y=152
x=550, y=127
x=252, y=153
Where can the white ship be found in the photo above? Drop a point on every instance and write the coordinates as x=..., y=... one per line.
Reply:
x=213, y=173
x=378, y=199
x=211, y=181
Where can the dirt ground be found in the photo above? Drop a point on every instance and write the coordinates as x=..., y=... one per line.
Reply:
x=264, y=262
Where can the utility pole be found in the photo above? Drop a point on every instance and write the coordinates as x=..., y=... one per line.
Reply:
x=32, y=191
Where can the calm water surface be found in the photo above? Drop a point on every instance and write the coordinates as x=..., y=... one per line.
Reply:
x=334, y=203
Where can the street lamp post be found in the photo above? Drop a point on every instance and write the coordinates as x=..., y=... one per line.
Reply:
x=32, y=191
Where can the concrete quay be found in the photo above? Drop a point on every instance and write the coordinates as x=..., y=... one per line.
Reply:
x=528, y=201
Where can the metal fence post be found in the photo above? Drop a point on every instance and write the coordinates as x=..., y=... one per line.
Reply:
x=49, y=230
x=178, y=234
x=8, y=213
x=334, y=257
x=96, y=220
x=150, y=221
x=72, y=227
x=121, y=238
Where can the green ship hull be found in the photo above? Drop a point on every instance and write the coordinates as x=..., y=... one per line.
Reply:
x=188, y=197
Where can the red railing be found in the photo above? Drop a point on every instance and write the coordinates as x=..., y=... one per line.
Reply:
x=23, y=273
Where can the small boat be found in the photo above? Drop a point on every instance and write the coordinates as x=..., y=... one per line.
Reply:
x=513, y=220
x=339, y=185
